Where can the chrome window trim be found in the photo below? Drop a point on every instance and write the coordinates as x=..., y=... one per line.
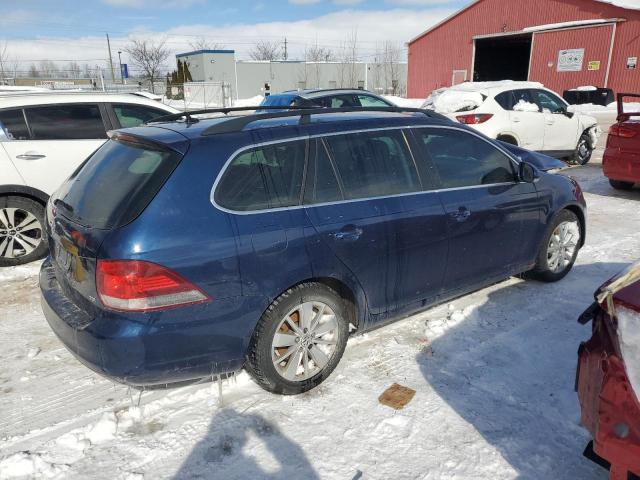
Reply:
x=364, y=199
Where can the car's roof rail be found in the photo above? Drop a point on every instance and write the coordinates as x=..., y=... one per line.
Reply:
x=236, y=123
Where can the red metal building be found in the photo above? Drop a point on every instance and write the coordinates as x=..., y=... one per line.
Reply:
x=561, y=43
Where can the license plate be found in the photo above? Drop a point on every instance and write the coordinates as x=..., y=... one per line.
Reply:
x=63, y=257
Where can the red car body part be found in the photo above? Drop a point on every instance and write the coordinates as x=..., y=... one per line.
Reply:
x=621, y=160
x=610, y=406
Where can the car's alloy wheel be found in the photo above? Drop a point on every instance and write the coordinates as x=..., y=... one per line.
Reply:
x=305, y=341
x=299, y=339
x=562, y=246
x=20, y=233
x=559, y=248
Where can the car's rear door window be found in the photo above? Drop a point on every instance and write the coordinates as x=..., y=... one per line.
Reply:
x=464, y=160
x=266, y=177
x=135, y=115
x=13, y=124
x=66, y=122
x=374, y=164
x=509, y=99
x=322, y=183
x=116, y=183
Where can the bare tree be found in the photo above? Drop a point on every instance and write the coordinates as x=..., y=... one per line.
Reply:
x=316, y=55
x=265, y=50
x=4, y=58
x=33, y=71
x=148, y=56
x=391, y=53
x=201, y=43
x=348, y=68
x=48, y=69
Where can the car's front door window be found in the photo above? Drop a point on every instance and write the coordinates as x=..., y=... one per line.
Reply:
x=369, y=101
x=464, y=160
x=549, y=102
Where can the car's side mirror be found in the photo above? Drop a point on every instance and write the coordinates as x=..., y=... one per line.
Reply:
x=526, y=172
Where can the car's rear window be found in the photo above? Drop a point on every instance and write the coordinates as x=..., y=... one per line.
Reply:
x=116, y=183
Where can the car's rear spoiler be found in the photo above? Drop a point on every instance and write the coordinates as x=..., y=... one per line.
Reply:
x=622, y=115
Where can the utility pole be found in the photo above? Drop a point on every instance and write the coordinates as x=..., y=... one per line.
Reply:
x=285, y=48
x=113, y=76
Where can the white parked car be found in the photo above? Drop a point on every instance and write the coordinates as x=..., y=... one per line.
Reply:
x=44, y=137
x=522, y=113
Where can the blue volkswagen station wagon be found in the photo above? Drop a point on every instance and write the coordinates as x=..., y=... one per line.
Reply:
x=189, y=248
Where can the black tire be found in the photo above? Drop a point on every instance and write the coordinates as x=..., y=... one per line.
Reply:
x=621, y=185
x=542, y=270
x=259, y=361
x=508, y=139
x=583, y=151
x=34, y=237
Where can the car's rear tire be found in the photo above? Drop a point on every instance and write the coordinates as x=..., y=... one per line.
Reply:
x=621, y=185
x=299, y=339
x=583, y=151
x=559, y=249
x=22, y=238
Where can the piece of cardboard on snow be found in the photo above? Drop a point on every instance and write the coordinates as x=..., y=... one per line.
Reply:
x=396, y=396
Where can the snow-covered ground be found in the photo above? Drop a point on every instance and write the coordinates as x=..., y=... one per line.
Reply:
x=494, y=374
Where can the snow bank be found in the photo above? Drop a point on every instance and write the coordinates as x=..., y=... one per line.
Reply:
x=590, y=108
x=29, y=465
x=524, y=106
x=405, y=102
x=248, y=102
x=631, y=4
x=584, y=88
x=629, y=336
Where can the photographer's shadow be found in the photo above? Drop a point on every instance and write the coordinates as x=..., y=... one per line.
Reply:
x=221, y=453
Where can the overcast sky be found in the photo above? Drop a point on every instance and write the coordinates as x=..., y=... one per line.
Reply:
x=75, y=30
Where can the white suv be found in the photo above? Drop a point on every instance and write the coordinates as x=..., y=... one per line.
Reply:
x=44, y=137
x=522, y=113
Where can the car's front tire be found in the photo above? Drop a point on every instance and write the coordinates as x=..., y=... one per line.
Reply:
x=583, y=151
x=21, y=231
x=559, y=249
x=621, y=185
x=299, y=339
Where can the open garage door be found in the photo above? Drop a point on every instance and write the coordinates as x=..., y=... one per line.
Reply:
x=503, y=57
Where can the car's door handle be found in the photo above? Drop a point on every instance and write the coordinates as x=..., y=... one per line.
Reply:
x=516, y=120
x=349, y=233
x=462, y=214
x=30, y=156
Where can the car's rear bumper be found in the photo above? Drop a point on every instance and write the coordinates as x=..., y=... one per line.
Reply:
x=621, y=165
x=610, y=407
x=150, y=349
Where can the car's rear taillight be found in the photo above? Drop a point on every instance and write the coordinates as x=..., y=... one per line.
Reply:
x=618, y=130
x=135, y=285
x=474, y=119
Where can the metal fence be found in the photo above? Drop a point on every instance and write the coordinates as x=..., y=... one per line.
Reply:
x=199, y=95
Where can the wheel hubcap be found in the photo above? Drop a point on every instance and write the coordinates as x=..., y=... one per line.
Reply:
x=583, y=150
x=305, y=341
x=562, y=246
x=20, y=232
